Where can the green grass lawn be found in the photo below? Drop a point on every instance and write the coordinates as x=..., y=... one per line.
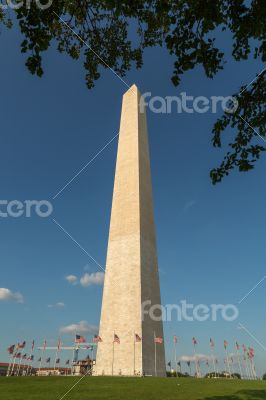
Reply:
x=48, y=388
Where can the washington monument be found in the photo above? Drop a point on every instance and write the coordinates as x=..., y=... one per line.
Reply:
x=128, y=336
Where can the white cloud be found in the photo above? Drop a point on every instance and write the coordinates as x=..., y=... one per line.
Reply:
x=81, y=327
x=57, y=305
x=8, y=295
x=72, y=279
x=96, y=278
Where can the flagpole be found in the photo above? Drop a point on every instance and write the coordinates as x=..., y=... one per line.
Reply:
x=213, y=356
x=93, y=358
x=253, y=368
x=14, y=360
x=31, y=355
x=227, y=361
x=25, y=368
x=238, y=359
x=190, y=369
x=217, y=368
x=10, y=363
x=40, y=364
x=155, y=356
x=28, y=367
x=245, y=361
x=19, y=365
x=213, y=361
x=196, y=361
x=207, y=362
x=246, y=366
x=42, y=354
x=175, y=354
x=57, y=352
x=59, y=363
x=250, y=355
x=56, y=356
x=250, y=367
x=73, y=355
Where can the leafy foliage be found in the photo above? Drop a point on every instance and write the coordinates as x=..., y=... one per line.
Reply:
x=249, y=120
x=99, y=31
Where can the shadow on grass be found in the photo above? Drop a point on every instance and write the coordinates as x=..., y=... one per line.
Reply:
x=242, y=395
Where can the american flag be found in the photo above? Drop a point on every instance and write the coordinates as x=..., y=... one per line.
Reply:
x=11, y=349
x=18, y=355
x=211, y=342
x=21, y=345
x=158, y=339
x=194, y=341
x=137, y=338
x=225, y=344
x=97, y=339
x=116, y=339
x=175, y=339
x=251, y=352
x=80, y=339
x=24, y=356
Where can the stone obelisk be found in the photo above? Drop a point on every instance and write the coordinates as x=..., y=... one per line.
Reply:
x=131, y=280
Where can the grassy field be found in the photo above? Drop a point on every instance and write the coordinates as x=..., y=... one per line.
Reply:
x=101, y=388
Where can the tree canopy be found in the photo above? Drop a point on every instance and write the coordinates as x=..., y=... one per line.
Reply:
x=187, y=28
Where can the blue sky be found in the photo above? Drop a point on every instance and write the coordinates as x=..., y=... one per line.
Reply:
x=211, y=240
